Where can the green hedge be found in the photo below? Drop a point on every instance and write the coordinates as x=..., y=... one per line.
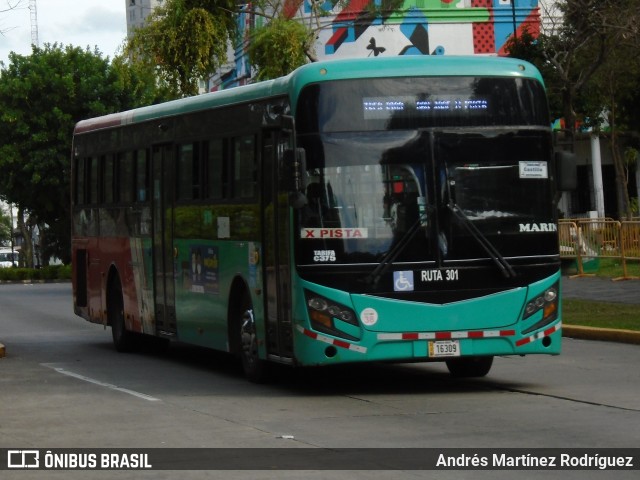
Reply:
x=51, y=272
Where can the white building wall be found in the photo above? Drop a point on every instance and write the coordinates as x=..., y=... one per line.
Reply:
x=138, y=11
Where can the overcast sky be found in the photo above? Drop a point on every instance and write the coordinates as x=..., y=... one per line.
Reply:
x=71, y=22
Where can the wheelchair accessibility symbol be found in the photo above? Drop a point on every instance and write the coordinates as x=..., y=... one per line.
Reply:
x=403, y=281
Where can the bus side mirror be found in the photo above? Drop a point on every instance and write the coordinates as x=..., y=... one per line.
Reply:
x=566, y=171
x=295, y=164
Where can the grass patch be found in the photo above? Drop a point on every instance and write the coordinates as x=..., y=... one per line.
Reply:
x=612, y=268
x=603, y=267
x=588, y=313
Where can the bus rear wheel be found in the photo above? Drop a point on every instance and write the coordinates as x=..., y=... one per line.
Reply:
x=123, y=339
x=255, y=369
x=467, y=367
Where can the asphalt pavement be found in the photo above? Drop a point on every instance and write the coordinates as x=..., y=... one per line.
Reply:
x=601, y=289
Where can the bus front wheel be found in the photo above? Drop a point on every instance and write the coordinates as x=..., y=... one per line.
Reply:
x=255, y=369
x=469, y=366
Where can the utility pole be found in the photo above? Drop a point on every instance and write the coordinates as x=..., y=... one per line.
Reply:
x=34, y=23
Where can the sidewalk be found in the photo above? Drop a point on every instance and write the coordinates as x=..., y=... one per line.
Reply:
x=601, y=290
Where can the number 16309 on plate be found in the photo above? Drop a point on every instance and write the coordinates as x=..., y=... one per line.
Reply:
x=444, y=348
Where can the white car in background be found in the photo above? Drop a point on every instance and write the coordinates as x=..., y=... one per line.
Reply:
x=8, y=258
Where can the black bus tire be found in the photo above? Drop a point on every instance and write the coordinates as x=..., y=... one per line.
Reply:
x=123, y=339
x=469, y=366
x=255, y=369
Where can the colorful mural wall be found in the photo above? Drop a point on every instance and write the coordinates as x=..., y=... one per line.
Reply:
x=428, y=27
x=413, y=27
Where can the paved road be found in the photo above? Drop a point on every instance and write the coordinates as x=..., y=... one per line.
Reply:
x=63, y=385
x=601, y=289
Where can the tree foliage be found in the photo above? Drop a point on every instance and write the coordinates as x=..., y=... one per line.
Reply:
x=5, y=227
x=183, y=41
x=279, y=47
x=188, y=40
x=592, y=71
x=42, y=96
x=286, y=41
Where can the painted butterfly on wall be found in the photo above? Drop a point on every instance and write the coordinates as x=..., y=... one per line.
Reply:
x=374, y=49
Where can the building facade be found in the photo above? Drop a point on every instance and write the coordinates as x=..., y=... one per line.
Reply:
x=360, y=28
x=138, y=11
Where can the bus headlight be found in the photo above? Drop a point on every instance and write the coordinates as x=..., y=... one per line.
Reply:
x=548, y=302
x=324, y=313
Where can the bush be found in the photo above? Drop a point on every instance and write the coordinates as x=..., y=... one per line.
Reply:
x=50, y=272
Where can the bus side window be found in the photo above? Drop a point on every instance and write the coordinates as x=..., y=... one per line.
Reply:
x=142, y=176
x=188, y=172
x=244, y=167
x=93, y=181
x=125, y=176
x=216, y=169
x=80, y=179
x=108, y=180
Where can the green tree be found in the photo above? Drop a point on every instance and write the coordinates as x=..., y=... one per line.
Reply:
x=592, y=71
x=615, y=95
x=283, y=41
x=184, y=41
x=42, y=96
x=5, y=228
x=279, y=47
x=568, y=54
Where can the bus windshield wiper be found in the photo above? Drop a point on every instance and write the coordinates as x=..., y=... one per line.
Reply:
x=382, y=268
x=506, y=269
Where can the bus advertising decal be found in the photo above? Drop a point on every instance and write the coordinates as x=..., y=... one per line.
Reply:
x=203, y=274
x=331, y=341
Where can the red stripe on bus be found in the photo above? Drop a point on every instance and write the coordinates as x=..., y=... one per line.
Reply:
x=340, y=343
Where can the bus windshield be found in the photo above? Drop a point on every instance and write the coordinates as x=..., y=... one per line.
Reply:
x=402, y=177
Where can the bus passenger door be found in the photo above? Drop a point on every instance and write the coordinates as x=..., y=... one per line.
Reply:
x=275, y=253
x=162, y=165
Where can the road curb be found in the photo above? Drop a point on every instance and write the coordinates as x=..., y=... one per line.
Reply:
x=3, y=351
x=603, y=334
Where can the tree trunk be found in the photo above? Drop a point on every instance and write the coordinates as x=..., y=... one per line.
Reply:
x=622, y=180
x=26, y=248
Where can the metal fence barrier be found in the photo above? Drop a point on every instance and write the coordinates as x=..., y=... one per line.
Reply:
x=589, y=239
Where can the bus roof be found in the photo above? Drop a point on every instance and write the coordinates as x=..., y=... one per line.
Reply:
x=376, y=67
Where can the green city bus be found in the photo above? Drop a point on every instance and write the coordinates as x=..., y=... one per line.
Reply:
x=376, y=209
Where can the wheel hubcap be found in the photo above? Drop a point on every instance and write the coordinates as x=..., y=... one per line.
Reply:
x=248, y=339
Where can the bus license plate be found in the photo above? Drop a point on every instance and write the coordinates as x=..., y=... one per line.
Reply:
x=444, y=348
